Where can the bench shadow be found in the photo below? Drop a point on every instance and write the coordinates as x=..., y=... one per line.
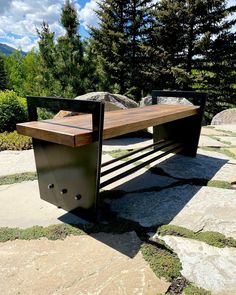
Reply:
x=155, y=197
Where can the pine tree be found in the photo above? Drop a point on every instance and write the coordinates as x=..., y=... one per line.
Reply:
x=193, y=46
x=139, y=24
x=3, y=74
x=63, y=60
x=110, y=44
x=69, y=52
x=119, y=42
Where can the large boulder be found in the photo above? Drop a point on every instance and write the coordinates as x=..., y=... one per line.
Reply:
x=112, y=102
x=225, y=117
x=165, y=100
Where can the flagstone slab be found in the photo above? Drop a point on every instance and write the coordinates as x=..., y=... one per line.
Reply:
x=233, y=150
x=125, y=143
x=230, y=139
x=193, y=207
x=206, y=165
x=212, y=131
x=210, y=142
x=100, y=264
x=208, y=267
x=13, y=162
x=22, y=207
x=225, y=127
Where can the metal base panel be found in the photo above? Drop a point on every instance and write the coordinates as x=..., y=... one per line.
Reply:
x=67, y=176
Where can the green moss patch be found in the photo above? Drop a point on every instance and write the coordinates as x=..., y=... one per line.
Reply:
x=227, y=133
x=194, y=290
x=211, y=238
x=220, y=150
x=52, y=232
x=117, y=153
x=16, y=178
x=219, y=184
x=163, y=262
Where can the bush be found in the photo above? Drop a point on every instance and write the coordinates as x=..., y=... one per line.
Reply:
x=13, y=110
x=14, y=141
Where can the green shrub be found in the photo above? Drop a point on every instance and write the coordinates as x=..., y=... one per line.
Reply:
x=12, y=110
x=14, y=141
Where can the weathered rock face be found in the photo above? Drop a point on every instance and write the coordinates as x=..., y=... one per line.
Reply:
x=193, y=207
x=225, y=117
x=112, y=102
x=100, y=264
x=208, y=267
x=165, y=100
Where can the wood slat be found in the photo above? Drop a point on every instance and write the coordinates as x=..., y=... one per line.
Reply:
x=77, y=130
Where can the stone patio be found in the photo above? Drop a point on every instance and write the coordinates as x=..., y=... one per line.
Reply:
x=174, y=192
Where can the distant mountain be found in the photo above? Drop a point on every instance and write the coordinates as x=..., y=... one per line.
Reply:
x=7, y=50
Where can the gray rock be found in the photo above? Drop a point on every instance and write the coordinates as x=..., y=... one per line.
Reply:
x=225, y=117
x=207, y=165
x=165, y=100
x=210, y=142
x=225, y=127
x=112, y=101
x=193, y=207
x=208, y=267
x=22, y=207
x=100, y=264
x=13, y=162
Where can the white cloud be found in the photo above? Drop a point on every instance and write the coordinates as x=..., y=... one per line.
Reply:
x=87, y=14
x=20, y=18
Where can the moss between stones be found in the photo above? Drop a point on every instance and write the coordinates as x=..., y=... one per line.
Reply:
x=163, y=263
x=191, y=181
x=220, y=150
x=117, y=153
x=220, y=184
x=218, y=139
x=227, y=133
x=194, y=290
x=52, y=232
x=16, y=178
x=211, y=238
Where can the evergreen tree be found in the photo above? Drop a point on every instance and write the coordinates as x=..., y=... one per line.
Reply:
x=14, y=67
x=193, y=46
x=63, y=60
x=120, y=41
x=139, y=24
x=3, y=74
x=69, y=52
x=110, y=44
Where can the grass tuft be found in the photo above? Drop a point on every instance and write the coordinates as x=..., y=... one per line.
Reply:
x=16, y=178
x=209, y=237
x=194, y=290
x=163, y=262
x=52, y=232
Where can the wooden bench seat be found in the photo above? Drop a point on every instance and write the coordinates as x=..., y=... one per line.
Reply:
x=77, y=130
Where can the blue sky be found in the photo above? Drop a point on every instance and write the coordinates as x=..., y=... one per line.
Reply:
x=20, y=18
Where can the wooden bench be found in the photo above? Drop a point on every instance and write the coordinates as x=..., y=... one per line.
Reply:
x=68, y=150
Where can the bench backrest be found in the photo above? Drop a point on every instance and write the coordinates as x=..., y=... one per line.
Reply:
x=197, y=98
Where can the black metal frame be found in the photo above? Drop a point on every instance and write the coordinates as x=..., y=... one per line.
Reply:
x=170, y=140
x=89, y=107
x=186, y=130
